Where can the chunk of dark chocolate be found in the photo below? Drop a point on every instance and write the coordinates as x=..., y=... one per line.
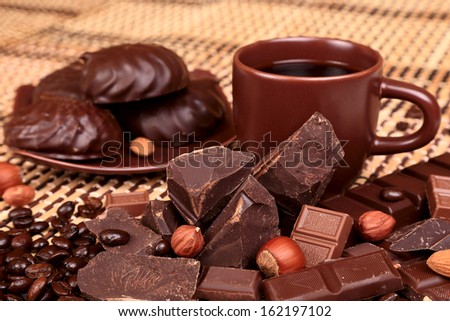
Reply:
x=431, y=234
x=134, y=202
x=423, y=170
x=352, y=278
x=63, y=83
x=297, y=171
x=162, y=217
x=142, y=239
x=178, y=118
x=321, y=234
x=131, y=72
x=201, y=183
x=62, y=128
x=229, y=284
x=422, y=283
x=442, y=160
x=438, y=193
x=111, y=276
x=248, y=221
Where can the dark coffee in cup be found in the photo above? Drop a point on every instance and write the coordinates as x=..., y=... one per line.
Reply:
x=308, y=68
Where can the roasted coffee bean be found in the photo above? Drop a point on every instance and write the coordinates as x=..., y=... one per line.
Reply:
x=46, y=252
x=38, y=244
x=57, y=223
x=70, y=298
x=36, y=289
x=73, y=264
x=38, y=270
x=4, y=285
x=392, y=194
x=72, y=281
x=19, y=212
x=69, y=231
x=48, y=295
x=94, y=250
x=30, y=258
x=86, y=211
x=114, y=237
x=61, y=288
x=20, y=285
x=82, y=229
x=14, y=254
x=66, y=210
x=62, y=243
x=2, y=272
x=23, y=222
x=13, y=297
x=22, y=241
x=163, y=248
x=17, y=266
x=16, y=231
x=56, y=276
x=38, y=227
x=81, y=251
x=94, y=202
x=83, y=241
x=5, y=240
x=59, y=256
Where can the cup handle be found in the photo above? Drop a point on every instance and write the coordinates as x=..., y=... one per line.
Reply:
x=391, y=88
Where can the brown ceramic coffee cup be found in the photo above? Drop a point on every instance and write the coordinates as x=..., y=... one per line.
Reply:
x=278, y=84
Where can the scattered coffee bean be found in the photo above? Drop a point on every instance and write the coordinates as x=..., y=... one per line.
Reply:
x=19, y=212
x=58, y=256
x=69, y=231
x=20, y=285
x=82, y=229
x=17, y=266
x=38, y=227
x=14, y=254
x=38, y=244
x=162, y=248
x=114, y=237
x=22, y=240
x=81, y=251
x=16, y=231
x=38, y=270
x=13, y=297
x=94, y=202
x=5, y=240
x=72, y=281
x=83, y=241
x=46, y=252
x=94, y=250
x=57, y=223
x=61, y=288
x=4, y=285
x=392, y=194
x=73, y=264
x=86, y=211
x=56, y=276
x=62, y=243
x=30, y=258
x=23, y=222
x=36, y=289
x=66, y=210
x=48, y=295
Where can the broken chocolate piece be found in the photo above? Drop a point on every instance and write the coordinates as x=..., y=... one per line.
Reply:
x=142, y=239
x=248, y=221
x=422, y=283
x=131, y=72
x=178, y=118
x=423, y=170
x=438, y=193
x=62, y=128
x=229, y=284
x=321, y=233
x=201, y=183
x=431, y=234
x=162, y=217
x=299, y=169
x=134, y=202
x=63, y=83
x=352, y=278
x=111, y=276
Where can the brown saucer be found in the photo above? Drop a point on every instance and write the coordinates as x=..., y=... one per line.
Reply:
x=123, y=162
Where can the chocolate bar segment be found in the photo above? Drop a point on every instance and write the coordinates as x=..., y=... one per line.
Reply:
x=431, y=234
x=321, y=234
x=422, y=283
x=202, y=182
x=438, y=193
x=423, y=170
x=229, y=284
x=299, y=169
x=442, y=160
x=248, y=221
x=119, y=277
x=352, y=278
x=162, y=217
x=134, y=202
x=142, y=239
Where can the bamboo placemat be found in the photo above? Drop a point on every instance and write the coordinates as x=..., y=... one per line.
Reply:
x=38, y=37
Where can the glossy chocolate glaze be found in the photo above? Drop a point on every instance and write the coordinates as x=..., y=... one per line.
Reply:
x=174, y=118
x=131, y=72
x=63, y=128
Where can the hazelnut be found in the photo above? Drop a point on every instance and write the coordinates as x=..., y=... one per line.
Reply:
x=375, y=225
x=9, y=176
x=142, y=146
x=187, y=241
x=279, y=256
x=19, y=195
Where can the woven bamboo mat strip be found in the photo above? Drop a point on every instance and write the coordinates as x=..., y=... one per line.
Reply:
x=39, y=36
